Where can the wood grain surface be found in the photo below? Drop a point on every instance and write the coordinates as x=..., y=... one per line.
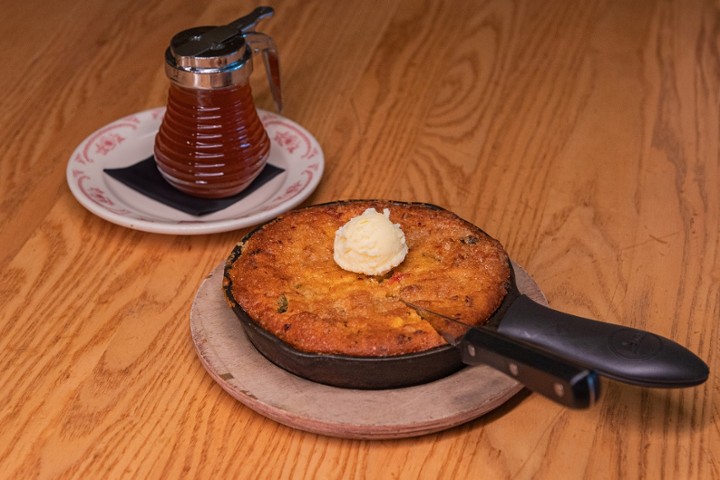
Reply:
x=582, y=135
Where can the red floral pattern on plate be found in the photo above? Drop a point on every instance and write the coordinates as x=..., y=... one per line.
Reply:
x=106, y=140
x=96, y=194
x=129, y=140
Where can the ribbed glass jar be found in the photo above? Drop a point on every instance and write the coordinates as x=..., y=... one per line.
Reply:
x=211, y=142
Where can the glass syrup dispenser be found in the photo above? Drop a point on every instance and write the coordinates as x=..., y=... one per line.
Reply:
x=211, y=143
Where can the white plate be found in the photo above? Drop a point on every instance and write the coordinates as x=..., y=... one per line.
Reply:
x=131, y=139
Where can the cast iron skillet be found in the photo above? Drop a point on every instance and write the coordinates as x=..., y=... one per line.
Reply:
x=618, y=352
x=338, y=370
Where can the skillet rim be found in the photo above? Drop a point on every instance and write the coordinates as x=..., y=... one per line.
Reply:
x=360, y=372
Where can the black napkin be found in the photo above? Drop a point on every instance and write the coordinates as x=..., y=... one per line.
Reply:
x=145, y=178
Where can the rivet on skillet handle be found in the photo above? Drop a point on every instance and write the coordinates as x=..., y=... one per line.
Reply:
x=542, y=372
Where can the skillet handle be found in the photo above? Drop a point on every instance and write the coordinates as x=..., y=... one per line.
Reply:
x=625, y=354
x=542, y=372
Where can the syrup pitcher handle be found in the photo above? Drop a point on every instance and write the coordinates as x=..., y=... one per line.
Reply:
x=261, y=43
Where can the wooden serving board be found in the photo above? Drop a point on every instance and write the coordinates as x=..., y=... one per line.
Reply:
x=249, y=377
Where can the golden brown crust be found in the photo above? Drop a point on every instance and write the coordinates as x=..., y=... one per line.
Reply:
x=286, y=279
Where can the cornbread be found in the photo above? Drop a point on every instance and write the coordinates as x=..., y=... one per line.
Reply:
x=284, y=277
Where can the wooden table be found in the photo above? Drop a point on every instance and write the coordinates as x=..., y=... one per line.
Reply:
x=583, y=135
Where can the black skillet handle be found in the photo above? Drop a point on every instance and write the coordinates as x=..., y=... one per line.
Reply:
x=541, y=372
x=621, y=353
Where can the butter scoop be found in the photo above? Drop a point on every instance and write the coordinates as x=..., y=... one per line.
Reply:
x=370, y=243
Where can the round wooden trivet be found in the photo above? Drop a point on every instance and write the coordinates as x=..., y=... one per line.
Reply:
x=245, y=374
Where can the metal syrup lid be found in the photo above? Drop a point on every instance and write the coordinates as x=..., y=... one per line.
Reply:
x=208, y=58
x=223, y=64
